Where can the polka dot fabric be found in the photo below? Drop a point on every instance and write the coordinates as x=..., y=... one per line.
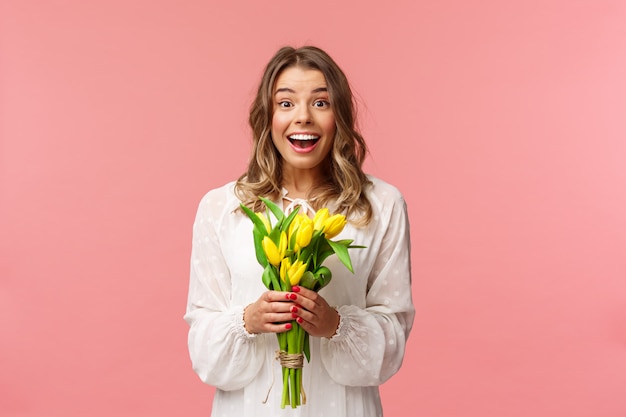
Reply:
x=374, y=304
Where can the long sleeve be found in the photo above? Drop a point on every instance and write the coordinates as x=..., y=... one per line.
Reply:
x=221, y=351
x=374, y=304
x=369, y=346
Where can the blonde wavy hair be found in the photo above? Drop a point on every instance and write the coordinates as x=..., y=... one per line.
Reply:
x=345, y=180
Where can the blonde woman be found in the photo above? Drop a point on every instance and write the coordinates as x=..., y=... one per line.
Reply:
x=306, y=153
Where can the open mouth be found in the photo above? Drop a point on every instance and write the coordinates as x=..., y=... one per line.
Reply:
x=303, y=141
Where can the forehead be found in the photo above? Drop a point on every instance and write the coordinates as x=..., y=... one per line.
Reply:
x=298, y=78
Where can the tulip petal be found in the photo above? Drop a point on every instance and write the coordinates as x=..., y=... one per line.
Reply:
x=271, y=251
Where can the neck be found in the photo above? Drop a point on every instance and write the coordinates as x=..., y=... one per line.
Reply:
x=300, y=184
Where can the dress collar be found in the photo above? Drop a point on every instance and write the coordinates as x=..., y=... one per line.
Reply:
x=295, y=202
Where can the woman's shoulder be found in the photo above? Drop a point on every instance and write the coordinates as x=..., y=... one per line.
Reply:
x=382, y=191
x=220, y=198
x=221, y=191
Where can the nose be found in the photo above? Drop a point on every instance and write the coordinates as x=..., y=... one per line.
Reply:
x=303, y=115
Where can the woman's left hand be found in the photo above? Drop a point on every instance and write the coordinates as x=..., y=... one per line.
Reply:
x=313, y=314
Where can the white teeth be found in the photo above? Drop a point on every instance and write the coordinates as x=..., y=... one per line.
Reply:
x=303, y=137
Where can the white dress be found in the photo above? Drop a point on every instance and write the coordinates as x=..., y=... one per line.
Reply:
x=374, y=303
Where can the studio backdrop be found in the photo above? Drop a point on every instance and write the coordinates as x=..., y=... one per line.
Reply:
x=502, y=122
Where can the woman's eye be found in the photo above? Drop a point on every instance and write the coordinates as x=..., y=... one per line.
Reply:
x=284, y=104
x=321, y=103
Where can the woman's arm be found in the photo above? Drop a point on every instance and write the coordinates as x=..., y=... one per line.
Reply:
x=222, y=352
x=369, y=345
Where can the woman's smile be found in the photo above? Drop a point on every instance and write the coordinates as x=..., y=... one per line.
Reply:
x=303, y=142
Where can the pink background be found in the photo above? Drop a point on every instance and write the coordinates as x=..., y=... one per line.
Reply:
x=502, y=122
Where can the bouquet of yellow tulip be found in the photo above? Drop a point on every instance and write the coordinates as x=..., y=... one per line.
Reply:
x=292, y=252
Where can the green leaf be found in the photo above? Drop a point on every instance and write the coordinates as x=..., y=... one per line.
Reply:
x=323, y=276
x=307, y=348
x=267, y=277
x=284, y=225
x=274, y=277
x=273, y=208
x=308, y=280
x=275, y=234
x=342, y=254
x=323, y=245
x=321, y=256
x=286, y=284
x=258, y=223
x=348, y=244
x=315, y=247
x=258, y=247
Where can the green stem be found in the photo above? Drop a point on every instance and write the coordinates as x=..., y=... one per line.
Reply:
x=285, y=399
x=300, y=336
x=282, y=345
x=292, y=341
x=292, y=382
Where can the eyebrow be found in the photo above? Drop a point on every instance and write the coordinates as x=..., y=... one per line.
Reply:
x=289, y=90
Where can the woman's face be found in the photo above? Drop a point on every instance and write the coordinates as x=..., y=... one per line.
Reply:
x=303, y=122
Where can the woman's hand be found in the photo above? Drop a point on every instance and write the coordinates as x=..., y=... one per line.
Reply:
x=271, y=313
x=313, y=313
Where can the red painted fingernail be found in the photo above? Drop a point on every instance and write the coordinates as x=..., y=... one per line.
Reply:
x=294, y=309
x=294, y=315
x=295, y=289
x=299, y=320
x=287, y=296
x=288, y=326
x=293, y=296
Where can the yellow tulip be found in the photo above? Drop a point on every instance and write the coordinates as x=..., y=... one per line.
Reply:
x=320, y=218
x=294, y=272
x=274, y=253
x=271, y=251
x=282, y=244
x=295, y=223
x=265, y=221
x=334, y=225
x=304, y=233
x=284, y=267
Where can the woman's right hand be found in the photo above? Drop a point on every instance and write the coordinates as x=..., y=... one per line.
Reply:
x=271, y=313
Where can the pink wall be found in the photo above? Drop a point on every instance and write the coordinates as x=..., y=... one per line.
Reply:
x=503, y=122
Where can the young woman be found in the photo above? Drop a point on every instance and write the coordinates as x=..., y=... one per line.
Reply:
x=307, y=153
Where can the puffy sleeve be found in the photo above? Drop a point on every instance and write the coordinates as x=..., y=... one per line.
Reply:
x=222, y=352
x=369, y=345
